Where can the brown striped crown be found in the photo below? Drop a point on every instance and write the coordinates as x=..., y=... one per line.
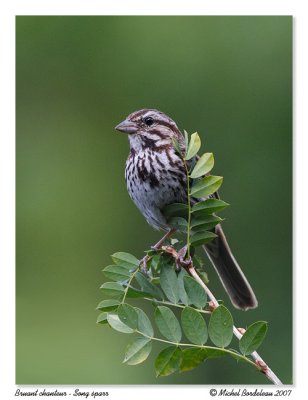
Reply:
x=149, y=128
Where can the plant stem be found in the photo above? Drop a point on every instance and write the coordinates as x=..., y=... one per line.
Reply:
x=128, y=284
x=263, y=367
x=168, y=303
x=189, y=208
x=232, y=353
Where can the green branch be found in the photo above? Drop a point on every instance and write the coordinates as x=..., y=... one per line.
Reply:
x=168, y=303
x=227, y=351
x=128, y=285
x=204, y=319
x=189, y=208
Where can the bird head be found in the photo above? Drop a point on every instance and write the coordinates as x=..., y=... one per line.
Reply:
x=149, y=128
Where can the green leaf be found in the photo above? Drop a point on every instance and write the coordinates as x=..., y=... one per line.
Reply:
x=112, y=289
x=175, y=210
x=204, y=223
x=206, y=186
x=193, y=357
x=182, y=292
x=221, y=327
x=128, y=268
x=128, y=315
x=144, y=324
x=138, y=351
x=155, y=265
x=194, y=326
x=102, y=318
x=168, y=361
x=134, y=293
x=148, y=287
x=198, y=262
x=186, y=139
x=155, y=261
x=209, y=206
x=203, y=166
x=169, y=283
x=215, y=353
x=178, y=223
x=253, y=337
x=167, y=324
x=237, y=356
x=195, y=293
x=108, y=305
x=176, y=145
x=125, y=260
x=116, y=273
x=194, y=146
x=203, y=276
x=115, y=323
x=200, y=238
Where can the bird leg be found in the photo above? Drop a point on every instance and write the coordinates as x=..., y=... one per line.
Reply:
x=156, y=246
x=180, y=261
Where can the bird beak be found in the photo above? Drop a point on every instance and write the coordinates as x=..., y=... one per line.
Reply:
x=127, y=127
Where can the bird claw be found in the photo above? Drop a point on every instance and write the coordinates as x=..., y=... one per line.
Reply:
x=180, y=261
x=143, y=265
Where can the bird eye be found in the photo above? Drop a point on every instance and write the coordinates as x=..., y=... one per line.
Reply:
x=149, y=121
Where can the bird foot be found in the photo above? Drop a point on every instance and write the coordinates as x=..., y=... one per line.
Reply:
x=143, y=265
x=180, y=261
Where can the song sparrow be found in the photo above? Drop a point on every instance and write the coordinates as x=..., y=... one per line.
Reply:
x=156, y=177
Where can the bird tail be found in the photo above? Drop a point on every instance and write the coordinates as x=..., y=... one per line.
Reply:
x=229, y=272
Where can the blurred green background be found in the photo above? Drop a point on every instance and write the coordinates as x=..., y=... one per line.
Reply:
x=229, y=78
